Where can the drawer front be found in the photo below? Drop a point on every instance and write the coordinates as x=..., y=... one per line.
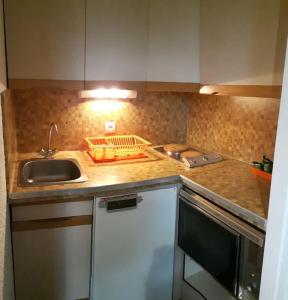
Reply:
x=50, y=211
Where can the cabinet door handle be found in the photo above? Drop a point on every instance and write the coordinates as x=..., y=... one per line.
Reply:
x=120, y=203
x=52, y=223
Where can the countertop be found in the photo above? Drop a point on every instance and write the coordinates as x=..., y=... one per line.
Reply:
x=228, y=183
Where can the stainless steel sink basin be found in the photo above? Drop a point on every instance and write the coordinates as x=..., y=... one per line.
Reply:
x=50, y=171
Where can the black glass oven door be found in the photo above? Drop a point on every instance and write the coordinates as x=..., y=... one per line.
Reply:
x=209, y=242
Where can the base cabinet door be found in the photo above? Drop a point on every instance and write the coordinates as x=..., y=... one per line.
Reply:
x=52, y=256
x=133, y=248
x=53, y=263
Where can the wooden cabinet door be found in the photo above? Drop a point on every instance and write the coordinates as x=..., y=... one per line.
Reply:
x=116, y=40
x=173, y=45
x=45, y=39
x=2, y=51
x=52, y=251
x=242, y=42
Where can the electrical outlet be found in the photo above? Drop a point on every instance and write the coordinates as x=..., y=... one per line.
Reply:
x=110, y=126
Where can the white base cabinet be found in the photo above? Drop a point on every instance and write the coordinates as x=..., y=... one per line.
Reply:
x=52, y=263
x=131, y=256
x=133, y=249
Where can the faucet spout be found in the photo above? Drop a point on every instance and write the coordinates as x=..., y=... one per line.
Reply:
x=53, y=126
x=49, y=151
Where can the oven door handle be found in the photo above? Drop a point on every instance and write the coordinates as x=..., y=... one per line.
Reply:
x=220, y=216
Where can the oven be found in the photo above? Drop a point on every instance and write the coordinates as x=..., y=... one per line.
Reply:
x=223, y=254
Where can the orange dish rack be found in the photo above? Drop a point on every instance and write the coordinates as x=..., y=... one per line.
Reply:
x=117, y=147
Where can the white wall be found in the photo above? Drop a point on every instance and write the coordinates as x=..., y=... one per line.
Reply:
x=8, y=283
x=2, y=52
x=274, y=284
x=6, y=267
x=281, y=42
x=6, y=271
x=238, y=41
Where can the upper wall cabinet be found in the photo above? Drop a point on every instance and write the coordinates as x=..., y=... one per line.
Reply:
x=45, y=39
x=243, y=42
x=128, y=41
x=2, y=52
x=173, y=45
x=116, y=40
x=145, y=41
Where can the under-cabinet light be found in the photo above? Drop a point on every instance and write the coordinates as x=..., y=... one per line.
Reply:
x=112, y=93
x=210, y=90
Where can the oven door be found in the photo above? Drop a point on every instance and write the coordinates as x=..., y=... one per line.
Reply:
x=210, y=243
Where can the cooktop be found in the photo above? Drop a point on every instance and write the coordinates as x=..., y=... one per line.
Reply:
x=188, y=156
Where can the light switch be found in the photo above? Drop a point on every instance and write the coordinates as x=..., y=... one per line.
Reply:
x=110, y=126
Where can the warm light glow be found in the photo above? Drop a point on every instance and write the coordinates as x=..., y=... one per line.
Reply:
x=106, y=106
x=112, y=93
x=206, y=89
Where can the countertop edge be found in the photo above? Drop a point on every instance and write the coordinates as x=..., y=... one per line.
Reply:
x=18, y=197
x=245, y=214
x=239, y=211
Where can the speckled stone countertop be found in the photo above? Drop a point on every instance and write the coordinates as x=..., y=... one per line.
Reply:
x=228, y=183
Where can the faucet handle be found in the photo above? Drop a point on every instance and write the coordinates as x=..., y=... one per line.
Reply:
x=43, y=152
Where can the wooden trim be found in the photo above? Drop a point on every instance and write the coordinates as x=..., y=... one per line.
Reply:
x=262, y=91
x=42, y=83
x=155, y=86
x=185, y=87
x=51, y=223
x=129, y=85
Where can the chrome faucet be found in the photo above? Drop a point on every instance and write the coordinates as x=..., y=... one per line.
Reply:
x=49, y=152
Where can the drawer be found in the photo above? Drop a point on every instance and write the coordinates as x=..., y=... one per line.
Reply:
x=52, y=210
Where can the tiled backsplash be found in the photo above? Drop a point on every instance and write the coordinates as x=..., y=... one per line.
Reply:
x=242, y=128
x=9, y=123
x=158, y=117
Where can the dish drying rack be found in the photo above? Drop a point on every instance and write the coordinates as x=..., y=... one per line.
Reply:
x=117, y=147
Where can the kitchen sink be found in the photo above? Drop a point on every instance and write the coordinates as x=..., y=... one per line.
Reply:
x=40, y=172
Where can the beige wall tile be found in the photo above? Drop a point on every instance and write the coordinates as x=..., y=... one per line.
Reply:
x=9, y=132
x=158, y=117
x=241, y=127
